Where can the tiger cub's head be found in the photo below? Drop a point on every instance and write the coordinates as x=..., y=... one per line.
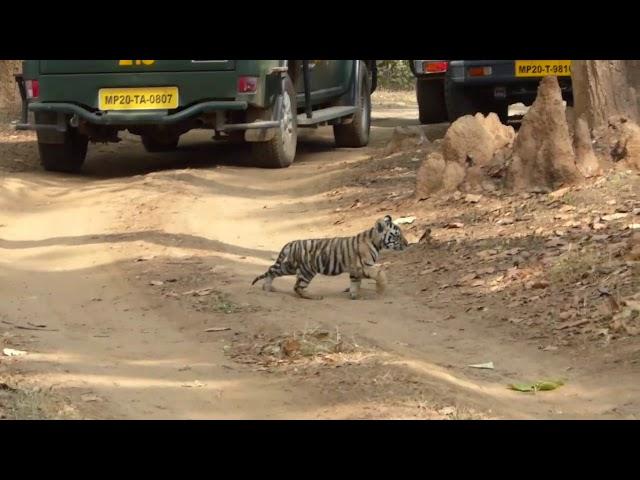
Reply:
x=390, y=234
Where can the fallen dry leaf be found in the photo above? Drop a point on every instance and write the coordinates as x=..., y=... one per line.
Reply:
x=566, y=315
x=195, y=383
x=575, y=323
x=560, y=192
x=485, y=271
x=426, y=236
x=567, y=208
x=613, y=304
x=10, y=352
x=90, y=398
x=447, y=411
x=556, y=242
x=404, y=220
x=290, y=347
x=614, y=216
x=488, y=365
x=200, y=293
x=467, y=278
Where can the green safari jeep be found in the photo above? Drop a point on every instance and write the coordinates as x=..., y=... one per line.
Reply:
x=259, y=101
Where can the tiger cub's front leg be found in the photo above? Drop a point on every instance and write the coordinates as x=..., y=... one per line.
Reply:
x=376, y=273
x=354, y=287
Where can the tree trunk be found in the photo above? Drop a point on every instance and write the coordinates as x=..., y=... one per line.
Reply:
x=603, y=89
x=9, y=96
x=605, y=98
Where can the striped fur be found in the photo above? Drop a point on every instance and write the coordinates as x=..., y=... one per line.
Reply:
x=333, y=256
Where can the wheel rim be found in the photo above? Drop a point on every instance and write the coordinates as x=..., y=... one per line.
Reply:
x=288, y=126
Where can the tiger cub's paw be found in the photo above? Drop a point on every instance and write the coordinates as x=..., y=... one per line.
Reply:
x=308, y=296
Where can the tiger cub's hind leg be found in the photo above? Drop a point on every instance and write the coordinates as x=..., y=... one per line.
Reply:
x=275, y=271
x=267, y=286
x=354, y=287
x=302, y=282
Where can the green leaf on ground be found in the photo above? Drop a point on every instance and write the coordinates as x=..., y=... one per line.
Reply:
x=544, y=385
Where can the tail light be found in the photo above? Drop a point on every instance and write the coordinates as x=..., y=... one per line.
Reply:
x=480, y=71
x=435, y=67
x=33, y=88
x=247, y=84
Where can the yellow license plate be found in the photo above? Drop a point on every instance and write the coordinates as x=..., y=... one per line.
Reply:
x=151, y=98
x=543, y=68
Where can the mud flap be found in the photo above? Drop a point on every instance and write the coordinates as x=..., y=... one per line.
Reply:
x=351, y=97
x=57, y=123
x=267, y=134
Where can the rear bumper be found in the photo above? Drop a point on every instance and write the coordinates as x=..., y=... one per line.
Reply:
x=424, y=77
x=71, y=113
x=502, y=74
x=502, y=83
x=160, y=117
x=124, y=119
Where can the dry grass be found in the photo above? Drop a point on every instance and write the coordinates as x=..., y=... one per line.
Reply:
x=576, y=265
x=393, y=98
x=222, y=304
x=32, y=404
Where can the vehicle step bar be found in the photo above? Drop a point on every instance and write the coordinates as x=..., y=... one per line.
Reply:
x=325, y=115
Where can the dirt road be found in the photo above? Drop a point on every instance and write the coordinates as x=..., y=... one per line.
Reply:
x=116, y=275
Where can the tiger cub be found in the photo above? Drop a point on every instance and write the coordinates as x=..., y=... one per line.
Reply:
x=332, y=256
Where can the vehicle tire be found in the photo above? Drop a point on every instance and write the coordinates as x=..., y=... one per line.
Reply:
x=155, y=143
x=280, y=151
x=66, y=157
x=569, y=100
x=499, y=107
x=431, y=105
x=356, y=133
x=236, y=137
x=462, y=101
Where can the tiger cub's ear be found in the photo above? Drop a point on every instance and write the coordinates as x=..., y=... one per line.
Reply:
x=383, y=223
